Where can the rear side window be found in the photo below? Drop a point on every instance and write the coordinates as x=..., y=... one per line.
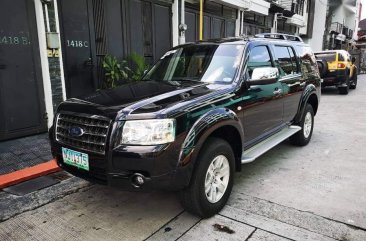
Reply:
x=329, y=57
x=286, y=60
x=341, y=57
x=308, y=63
x=293, y=60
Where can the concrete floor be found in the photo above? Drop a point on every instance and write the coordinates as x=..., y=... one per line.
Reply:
x=317, y=192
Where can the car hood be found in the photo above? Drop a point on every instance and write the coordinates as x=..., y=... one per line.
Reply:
x=144, y=99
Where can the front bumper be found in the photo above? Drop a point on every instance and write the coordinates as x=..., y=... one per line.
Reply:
x=158, y=165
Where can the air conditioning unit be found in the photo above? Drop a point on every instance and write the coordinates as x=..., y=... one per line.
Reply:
x=341, y=37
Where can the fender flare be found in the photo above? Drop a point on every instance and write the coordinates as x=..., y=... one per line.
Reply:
x=198, y=134
x=308, y=91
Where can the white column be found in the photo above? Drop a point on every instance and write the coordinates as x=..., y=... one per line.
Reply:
x=44, y=60
x=274, y=26
x=238, y=25
x=60, y=52
x=175, y=23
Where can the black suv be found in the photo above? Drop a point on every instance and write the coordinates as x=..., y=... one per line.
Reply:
x=197, y=115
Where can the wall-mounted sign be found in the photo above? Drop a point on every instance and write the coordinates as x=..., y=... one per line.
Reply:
x=14, y=40
x=77, y=44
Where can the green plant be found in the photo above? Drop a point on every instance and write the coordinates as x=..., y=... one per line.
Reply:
x=139, y=66
x=114, y=70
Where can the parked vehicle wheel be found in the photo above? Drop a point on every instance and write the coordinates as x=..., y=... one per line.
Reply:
x=354, y=83
x=302, y=138
x=344, y=89
x=212, y=180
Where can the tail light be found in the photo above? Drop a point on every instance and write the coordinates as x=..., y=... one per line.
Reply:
x=341, y=65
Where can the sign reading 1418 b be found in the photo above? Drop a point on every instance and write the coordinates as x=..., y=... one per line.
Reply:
x=14, y=40
x=77, y=44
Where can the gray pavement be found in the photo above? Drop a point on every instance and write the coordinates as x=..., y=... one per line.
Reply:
x=317, y=192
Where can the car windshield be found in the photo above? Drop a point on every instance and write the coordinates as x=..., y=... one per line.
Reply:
x=205, y=63
x=330, y=57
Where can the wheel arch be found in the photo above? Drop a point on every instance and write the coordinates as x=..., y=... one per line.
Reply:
x=228, y=127
x=311, y=97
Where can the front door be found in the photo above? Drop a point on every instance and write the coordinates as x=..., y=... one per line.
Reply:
x=263, y=104
x=78, y=47
x=22, y=106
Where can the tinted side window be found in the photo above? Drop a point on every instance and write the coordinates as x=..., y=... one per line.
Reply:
x=340, y=57
x=259, y=57
x=283, y=60
x=295, y=66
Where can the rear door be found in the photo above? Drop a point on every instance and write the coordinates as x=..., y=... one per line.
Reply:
x=22, y=106
x=291, y=79
x=263, y=104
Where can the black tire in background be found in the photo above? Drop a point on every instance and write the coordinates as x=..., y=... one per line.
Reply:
x=354, y=83
x=194, y=198
x=345, y=89
x=302, y=137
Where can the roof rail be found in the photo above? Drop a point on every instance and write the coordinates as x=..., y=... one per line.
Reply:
x=279, y=36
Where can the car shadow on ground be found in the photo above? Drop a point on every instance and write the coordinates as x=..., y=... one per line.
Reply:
x=330, y=91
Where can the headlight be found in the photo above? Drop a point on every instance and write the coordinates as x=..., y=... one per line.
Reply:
x=148, y=132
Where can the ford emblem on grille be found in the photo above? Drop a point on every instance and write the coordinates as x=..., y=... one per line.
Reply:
x=76, y=131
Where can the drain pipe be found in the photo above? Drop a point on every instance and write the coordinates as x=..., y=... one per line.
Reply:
x=182, y=25
x=201, y=20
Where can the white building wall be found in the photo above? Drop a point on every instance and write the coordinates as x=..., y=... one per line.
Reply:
x=349, y=16
x=316, y=42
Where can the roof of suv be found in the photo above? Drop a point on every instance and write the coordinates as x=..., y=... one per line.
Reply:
x=342, y=51
x=269, y=37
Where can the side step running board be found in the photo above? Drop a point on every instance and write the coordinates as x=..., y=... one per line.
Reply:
x=254, y=152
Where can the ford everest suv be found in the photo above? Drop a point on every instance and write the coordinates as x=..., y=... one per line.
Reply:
x=337, y=69
x=198, y=114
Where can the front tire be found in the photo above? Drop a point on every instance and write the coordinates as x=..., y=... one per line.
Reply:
x=354, y=83
x=302, y=138
x=212, y=179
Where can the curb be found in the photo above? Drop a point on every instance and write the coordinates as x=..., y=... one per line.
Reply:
x=28, y=173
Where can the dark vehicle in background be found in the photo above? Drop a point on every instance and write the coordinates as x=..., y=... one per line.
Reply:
x=198, y=114
x=337, y=69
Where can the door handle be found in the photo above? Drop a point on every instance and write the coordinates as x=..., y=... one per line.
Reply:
x=277, y=92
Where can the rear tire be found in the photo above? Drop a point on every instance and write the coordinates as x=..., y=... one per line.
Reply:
x=345, y=89
x=302, y=137
x=212, y=179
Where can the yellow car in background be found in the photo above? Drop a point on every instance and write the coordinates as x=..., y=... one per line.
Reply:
x=337, y=68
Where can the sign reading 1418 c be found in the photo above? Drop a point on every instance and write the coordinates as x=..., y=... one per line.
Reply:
x=14, y=40
x=77, y=44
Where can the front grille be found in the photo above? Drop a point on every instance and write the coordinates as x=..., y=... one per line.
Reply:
x=95, y=131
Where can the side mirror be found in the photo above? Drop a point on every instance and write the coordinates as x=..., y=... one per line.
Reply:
x=264, y=76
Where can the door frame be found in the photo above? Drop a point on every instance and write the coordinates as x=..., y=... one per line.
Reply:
x=41, y=68
x=44, y=61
